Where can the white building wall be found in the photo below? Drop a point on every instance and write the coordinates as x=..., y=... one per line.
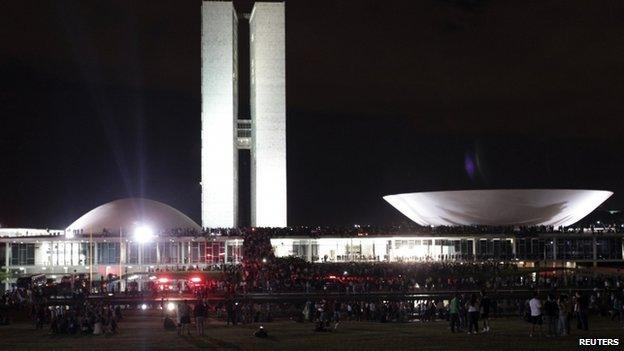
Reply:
x=268, y=113
x=219, y=164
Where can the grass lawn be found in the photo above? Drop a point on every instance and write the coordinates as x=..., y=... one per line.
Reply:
x=144, y=331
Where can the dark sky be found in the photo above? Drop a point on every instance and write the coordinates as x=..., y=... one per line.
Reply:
x=101, y=100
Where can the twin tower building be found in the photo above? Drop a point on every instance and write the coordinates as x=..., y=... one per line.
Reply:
x=224, y=132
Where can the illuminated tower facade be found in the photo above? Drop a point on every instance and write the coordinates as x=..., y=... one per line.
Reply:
x=224, y=133
x=219, y=164
x=268, y=115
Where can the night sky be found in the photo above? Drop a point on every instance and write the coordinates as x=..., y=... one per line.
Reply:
x=100, y=100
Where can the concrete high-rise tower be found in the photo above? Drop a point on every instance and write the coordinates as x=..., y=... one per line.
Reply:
x=219, y=164
x=224, y=133
x=268, y=114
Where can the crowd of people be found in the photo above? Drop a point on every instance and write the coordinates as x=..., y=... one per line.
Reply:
x=556, y=312
x=406, y=228
x=550, y=314
x=79, y=317
x=272, y=275
x=85, y=318
x=262, y=272
x=11, y=301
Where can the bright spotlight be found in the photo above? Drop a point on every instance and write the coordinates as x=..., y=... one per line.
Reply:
x=143, y=234
x=143, y=307
x=170, y=306
x=196, y=279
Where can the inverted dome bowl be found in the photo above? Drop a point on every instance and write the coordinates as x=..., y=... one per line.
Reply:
x=526, y=207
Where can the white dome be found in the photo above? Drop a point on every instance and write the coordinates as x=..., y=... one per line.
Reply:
x=130, y=213
x=526, y=207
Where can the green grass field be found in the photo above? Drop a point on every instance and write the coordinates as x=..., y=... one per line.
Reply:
x=144, y=331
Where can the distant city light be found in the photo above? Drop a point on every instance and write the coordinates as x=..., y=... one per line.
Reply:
x=143, y=307
x=170, y=306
